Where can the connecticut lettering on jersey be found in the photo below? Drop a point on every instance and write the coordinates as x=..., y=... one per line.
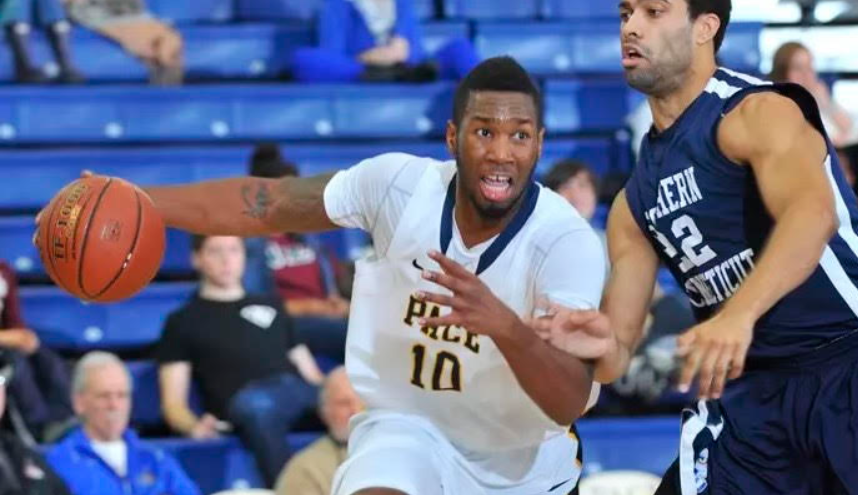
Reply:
x=716, y=284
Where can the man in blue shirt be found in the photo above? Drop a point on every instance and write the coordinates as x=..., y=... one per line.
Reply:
x=377, y=40
x=104, y=456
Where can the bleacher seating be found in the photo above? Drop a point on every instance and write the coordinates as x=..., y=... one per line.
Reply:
x=436, y=34
x=193, y=12
x=577, y=9
x=32, y=177
x=492, y=9
x=274, y=10
x=221, y=112
x=591, y=45
x=598, y=104
x=552, y=48
x=64, y=322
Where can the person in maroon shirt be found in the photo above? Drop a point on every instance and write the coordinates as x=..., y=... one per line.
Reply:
x=41, y=385
x=300, y=271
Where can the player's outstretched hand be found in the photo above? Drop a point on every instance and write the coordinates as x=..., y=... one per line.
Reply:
x=585, y=334
x=715, y=351
x=474, y=306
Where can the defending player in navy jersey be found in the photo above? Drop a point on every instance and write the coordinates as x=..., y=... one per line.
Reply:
x=739, y=193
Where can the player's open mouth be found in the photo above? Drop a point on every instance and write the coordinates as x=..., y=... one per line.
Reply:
x=496, y=187
x=631, y=56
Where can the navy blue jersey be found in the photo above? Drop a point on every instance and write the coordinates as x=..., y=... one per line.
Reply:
x=706, y=220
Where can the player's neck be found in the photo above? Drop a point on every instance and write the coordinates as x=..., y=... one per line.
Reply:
x=667, y=109
x=475, y=228
x=212, y=292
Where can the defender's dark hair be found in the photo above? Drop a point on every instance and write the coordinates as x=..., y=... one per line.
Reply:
x=720, y=8
x=565, y=170
x=496, y=74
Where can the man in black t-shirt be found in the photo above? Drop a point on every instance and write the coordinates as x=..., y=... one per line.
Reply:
x=241, y=351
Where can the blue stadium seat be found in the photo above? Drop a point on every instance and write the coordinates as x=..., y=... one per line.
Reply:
x=425, y=9
x=146, y=395
x=242, y=51
x=271, y=10
x=643, y=444
x=32, y=177
x=222, y=112
x=579, y=9
x=223, y=463
x=66, y=323
x=741, y=48
x=194, y=11
x=593, y=104
x=548, y=48
x=234, y=51
x=436, y=34
x=492, y=9
x=16, y=246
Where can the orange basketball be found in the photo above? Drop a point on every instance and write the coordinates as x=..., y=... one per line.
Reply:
x=101, y=239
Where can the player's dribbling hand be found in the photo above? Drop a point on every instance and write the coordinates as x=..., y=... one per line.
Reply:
x=474, y=306
x=585, y=334
x=715, y=351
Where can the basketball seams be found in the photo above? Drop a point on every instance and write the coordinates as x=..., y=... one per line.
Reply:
x=86, y=238
x=131, y=250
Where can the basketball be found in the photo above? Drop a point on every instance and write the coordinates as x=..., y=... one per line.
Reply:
x=101, y=239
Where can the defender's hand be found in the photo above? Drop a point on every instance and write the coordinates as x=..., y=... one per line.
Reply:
x=585, y=334
x=715, y=350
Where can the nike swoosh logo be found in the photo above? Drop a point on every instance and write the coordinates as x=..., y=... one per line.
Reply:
x=417, y=266
x=558, y=485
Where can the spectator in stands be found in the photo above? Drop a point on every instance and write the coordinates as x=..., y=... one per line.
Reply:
x=304, y=275
x=793, y=63
x=104, y=456
x=575, y=181
x=41, y=385
x=251, y=370
x=128, y=23
x=23, y=471
x=311, y=471
x=377, y=40
x=18, y=17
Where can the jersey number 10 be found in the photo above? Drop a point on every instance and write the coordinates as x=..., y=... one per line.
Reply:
x=444, y=361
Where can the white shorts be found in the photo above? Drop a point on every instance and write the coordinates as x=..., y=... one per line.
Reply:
x=409, y=454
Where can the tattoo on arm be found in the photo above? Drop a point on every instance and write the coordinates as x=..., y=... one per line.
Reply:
x=256, y=204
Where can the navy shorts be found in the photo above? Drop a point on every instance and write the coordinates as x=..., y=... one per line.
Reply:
x=786, y=427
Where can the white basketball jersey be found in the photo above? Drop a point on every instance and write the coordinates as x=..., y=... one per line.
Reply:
x=457, y=380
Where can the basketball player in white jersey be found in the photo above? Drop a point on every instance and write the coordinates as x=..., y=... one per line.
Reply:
x=462, y=397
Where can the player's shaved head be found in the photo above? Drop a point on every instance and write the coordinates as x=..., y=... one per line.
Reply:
x=499, y=74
